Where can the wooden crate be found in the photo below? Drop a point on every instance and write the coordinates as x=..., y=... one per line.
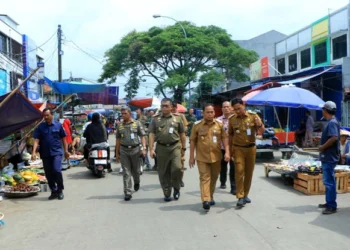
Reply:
x=313, y=185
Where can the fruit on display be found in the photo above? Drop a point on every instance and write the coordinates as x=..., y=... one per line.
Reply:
x=22, y=188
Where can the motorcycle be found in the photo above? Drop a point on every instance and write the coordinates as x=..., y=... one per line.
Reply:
x=98, y=159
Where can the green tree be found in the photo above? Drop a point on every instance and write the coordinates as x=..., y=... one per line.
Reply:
x=173, y=61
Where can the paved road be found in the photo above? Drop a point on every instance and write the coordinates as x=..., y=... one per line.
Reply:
x=94, y=215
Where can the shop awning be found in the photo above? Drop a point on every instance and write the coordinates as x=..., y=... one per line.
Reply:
x=17, y=113
x=305, y=78
x=67, y=88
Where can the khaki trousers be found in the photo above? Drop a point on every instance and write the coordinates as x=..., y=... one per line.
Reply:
x=208, y=175
x=130, y=161
x=169, y=167
x=244, y=168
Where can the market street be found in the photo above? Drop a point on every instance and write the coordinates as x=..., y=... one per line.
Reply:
x=94, y=215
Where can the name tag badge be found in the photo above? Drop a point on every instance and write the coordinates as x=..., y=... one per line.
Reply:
x=215, y=139
x=249, y=132
x=132, y=136
x=171, y=130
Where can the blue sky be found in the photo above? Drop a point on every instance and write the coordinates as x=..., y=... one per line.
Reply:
x=96, y=26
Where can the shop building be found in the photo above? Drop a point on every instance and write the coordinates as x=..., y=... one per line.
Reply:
x=264, y=45
x=18, y=54
x=320, y=51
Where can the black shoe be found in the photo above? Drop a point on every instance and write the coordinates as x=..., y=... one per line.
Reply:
x=223, y=186
x=247, y=200
x=322, y=205
x=212, y=203
x=329, y=210
x=240, y=202
x=182, y=184
x=206, y=205
x=110, y=170
x=154, y=168
x=167, y=198
x=176, y=194
x=60, y=196
x=233, y=191
x=53, y=196
x=127, y=197
x=137, y=187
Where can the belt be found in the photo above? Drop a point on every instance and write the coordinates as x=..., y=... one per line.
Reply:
x=125, y=146
x=245, y=146
x=167, y=145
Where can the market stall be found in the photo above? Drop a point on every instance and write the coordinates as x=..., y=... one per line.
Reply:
x=306, y=174
x=288, y=96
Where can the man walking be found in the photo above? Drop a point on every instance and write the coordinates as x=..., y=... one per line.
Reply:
x=167, y=130
x=191, y=119
x=144, y=122
x=242, y=130
x=309, y=130
x=206, y=138
x=184, y=120
x=227, y=113
x=129, y=134
x=329, y=155
x=50, y=136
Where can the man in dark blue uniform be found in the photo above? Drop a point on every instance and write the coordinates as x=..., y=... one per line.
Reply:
x=50, y=136
x=329, y=156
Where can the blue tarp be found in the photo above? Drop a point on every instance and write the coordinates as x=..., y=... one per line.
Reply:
x=287, y=96
x=67, y=88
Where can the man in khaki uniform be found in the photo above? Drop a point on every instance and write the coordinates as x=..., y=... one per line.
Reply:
x=206, y=137
x=144, y=122
x=243, y=127
x=167, y=130
x=184, y=120
x=129, y=134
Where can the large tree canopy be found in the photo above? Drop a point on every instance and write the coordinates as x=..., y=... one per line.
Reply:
x=173, y=61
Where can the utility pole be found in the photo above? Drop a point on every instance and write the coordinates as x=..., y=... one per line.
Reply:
x=60, y=53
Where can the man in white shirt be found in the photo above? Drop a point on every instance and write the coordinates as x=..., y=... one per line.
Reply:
x=227, y=113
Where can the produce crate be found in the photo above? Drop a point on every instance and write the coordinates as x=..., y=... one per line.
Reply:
x=313, y=185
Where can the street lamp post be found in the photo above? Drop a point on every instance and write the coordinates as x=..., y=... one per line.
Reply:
x=185, y=34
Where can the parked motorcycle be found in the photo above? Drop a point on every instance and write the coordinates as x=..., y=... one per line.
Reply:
x=98, y=159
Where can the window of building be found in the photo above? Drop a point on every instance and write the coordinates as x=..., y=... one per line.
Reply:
x=16, y=49
x=339, y=47
x=3, y=44
x=305, y=58
x=281, y=65
x=321, y=53
x=293, y=62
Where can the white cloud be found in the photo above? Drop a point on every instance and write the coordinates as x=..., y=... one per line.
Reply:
x=98, y=25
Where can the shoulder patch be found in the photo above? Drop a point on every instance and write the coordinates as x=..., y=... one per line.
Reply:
x=197, y=122
x=218, y=121
x=231, y=116
x=251, y=112
x=156, y=115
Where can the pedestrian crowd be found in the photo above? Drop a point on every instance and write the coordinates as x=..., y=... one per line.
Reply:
x=215, y=144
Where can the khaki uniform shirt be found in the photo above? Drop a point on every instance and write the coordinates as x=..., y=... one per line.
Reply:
x=167, y=130
x=184, y=120
x=130, y=133
x=243, y=129
x=143, y=120
x=208, y=139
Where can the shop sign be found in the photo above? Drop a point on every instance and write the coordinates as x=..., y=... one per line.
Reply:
x=259, y=69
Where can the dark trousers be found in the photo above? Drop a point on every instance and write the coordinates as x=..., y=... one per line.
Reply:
x=330, y=183
x=223, y=173
x=53, y=172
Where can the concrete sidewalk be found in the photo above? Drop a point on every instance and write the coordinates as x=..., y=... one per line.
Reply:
x=94, y=215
